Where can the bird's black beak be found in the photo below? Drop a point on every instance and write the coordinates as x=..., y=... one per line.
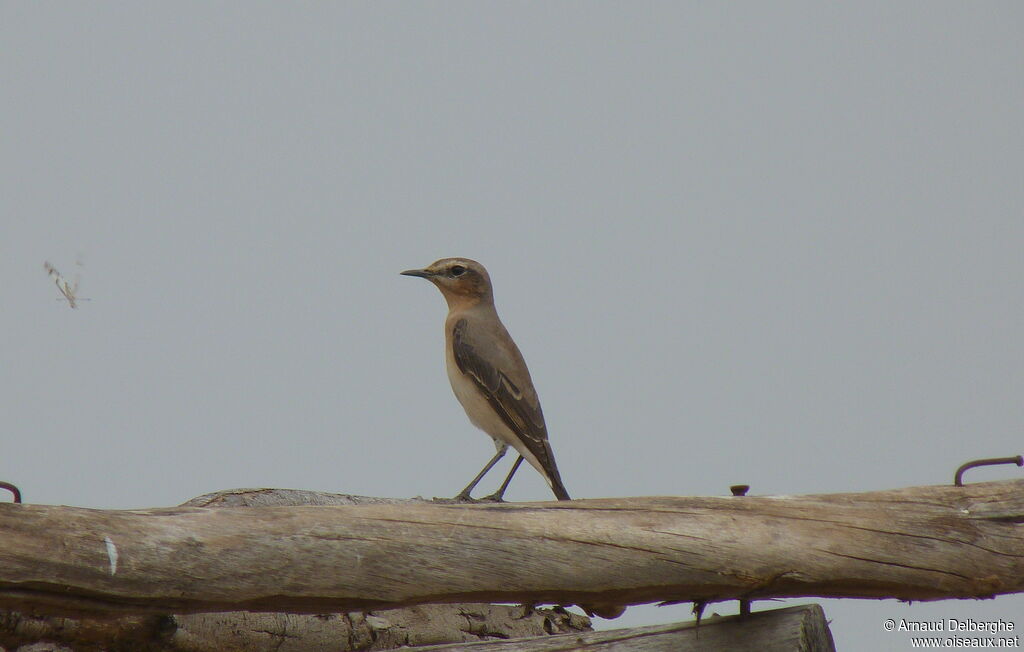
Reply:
x=422, y=273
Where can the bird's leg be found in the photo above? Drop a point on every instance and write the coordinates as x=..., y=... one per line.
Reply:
x=463, y=495
x=496, y=497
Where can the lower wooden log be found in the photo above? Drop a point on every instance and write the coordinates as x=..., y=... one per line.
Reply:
x=278, y=632
x=794, y=629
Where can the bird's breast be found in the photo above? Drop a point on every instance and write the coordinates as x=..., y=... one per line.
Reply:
x=464, y=387
x=479, y=411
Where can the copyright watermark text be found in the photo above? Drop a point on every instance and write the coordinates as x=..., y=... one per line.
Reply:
x=956, y=633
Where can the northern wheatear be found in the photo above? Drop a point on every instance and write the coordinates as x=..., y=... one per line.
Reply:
x=488, y=374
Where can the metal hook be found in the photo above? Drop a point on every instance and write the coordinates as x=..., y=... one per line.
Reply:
x=14, y=490
x=958, y=479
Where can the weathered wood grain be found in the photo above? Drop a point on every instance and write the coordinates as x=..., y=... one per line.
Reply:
x=923, y=543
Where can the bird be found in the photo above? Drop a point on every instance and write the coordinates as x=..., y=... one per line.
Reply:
x=488, y=374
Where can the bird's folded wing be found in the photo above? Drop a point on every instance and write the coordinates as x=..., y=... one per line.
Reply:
x=519, y=409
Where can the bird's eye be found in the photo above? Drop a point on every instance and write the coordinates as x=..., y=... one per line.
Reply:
x=458, y=270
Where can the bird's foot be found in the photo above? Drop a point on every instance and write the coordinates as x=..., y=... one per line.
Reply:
x=493, y=498
x=464, y=497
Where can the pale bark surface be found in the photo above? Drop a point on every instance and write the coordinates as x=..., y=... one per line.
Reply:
x=921, y=543
x=290, y=498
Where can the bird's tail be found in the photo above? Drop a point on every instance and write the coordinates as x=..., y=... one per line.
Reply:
x=558, y=488
x=551, y=473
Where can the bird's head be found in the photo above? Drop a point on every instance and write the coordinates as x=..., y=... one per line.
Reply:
x=460, y=280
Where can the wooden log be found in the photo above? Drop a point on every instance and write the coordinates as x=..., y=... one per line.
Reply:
x=280, y=632
x=801, y=628
x=922, y=543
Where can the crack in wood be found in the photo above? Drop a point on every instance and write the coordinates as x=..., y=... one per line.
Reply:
x=893, y=563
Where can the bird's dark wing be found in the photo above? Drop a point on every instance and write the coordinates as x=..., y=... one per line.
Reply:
x=518, y=407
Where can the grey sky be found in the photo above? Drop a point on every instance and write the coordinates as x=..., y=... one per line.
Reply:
x=777, y=244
